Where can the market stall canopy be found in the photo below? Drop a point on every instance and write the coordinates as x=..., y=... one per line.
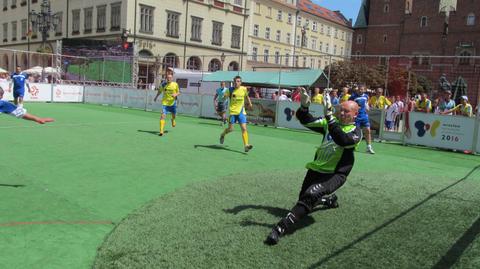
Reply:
x=284, y=79
x=37, y=70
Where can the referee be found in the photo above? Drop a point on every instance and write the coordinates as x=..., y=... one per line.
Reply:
x=333, y=160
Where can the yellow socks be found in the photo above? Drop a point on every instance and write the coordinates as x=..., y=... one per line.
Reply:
x=162, y=126
x=173, y=123
x=245, y=138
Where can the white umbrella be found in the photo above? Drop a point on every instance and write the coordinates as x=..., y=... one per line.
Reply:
x=51, y=70
x=3, y=71
x=36, y=70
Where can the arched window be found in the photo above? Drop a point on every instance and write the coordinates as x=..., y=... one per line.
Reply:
x=471, y=19
x=194, y=63
x=145, y=53
x=423, y=21
x=465, y=57
x=233, y=66
x=170, y=60
x=214, y=65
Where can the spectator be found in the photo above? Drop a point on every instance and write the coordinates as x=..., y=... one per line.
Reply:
x=283, y=97
x=275, y=96
x=334, y=97
x=463, y=109
x=317, y=96
x=401, y=105
x=447, y=104
x=424, y=104
x=436, y=106
x=379, y=101
x=411, y=104
x=344, y=96
x=391, y=115
x=296, y=95
x=401, y=109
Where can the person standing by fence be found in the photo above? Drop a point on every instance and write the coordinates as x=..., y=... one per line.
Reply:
x=170, y=92
x=19, y=80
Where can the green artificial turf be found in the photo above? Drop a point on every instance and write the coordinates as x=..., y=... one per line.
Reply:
x=100, y=177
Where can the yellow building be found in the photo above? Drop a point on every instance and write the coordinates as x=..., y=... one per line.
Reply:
x=296, y=34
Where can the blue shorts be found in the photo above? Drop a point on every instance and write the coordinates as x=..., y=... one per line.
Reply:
x=18, y=93
x=362, y=121
x=169, y=109
x=389, y=124
x=241, y=118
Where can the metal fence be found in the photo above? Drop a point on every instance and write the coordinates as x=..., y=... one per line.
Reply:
x=397, y=75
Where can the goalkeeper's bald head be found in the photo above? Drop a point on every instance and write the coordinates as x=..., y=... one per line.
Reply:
x=348, y=112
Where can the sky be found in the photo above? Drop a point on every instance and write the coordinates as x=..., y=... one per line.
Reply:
x=349, y=8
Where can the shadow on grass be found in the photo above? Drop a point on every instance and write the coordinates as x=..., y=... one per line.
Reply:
x=274, y=211
x=218, y=124
x=150, y=132
x=219, y=147
x=452, y=256
x=12, y=185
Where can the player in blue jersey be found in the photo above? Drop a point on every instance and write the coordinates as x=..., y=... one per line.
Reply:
x=362, y=121
x=220, y=102
x=19, y=80
x=19, y=112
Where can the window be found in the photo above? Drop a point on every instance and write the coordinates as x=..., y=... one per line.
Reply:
x=146, y=19
x=334, y=49
x=255, y=30
x=386, y=8
x=359, y=39
x=88, y=20
x=267, y=33
x=423, y=21
x=297, y=41
x=101, y=18
x=194, y=63
x=307, y=23
x=336, y=33
x=5, y=32
x=115, y=19
x=311, y=63
x=238, y=2
x=58, y=29
x=14, y=31
x=257, y=8
x=287, y=59
x=279, y=15
x=196, y=34
x=321, y=29
x=277, y=57
x=385, y=38
x=465, y=60
x=296, y=61
x=24, y=30
x=14, y=4
x=254, y=53
x=471, y=19
x=327, y=48
x=278, y=37
x=289, y=18
x=320, y=46
x=289, y=38
x=172, y=24
x=265, y=55
x=269, y=12
x=314, y=26
x=76, y=21
x=341, y=51
x=214, y=65
x=5, y=5
x=304, y=61
x=304, y=41
x=236, y=33
x=299, y=21
x=343, y=35
x=314, y=44
x=329, y=32
x=217, y=33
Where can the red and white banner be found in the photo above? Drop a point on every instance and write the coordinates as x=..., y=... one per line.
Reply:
x=68, y=93
x=38, y=92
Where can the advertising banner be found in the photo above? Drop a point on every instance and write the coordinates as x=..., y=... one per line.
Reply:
x=39, y=92
x=68, y=93
x=151, y=105
x=112, y=96
x=286, y=114
x=442, y=131
x=93, y=94
x=134, y=98
x=189, y=104
x=263, y=112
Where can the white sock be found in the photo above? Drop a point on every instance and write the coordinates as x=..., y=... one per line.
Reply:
x=20, y=105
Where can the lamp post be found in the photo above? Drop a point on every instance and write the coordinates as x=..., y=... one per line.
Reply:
x=45, y=21
x=222, y=58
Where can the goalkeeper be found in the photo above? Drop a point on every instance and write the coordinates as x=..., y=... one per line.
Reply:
x=333, y=160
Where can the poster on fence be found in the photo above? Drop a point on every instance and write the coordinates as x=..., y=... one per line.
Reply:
x=189, y=104
x=134, y=98
x=68, y=93
x=263, y=112
x=286, y=114
x=38, y=92
x=442, y=131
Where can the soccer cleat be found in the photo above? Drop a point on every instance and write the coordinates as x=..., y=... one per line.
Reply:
x=331, y=201
x=248, y=148
x=370, y=149
x=274, y=236
x=174, y=123
x=222, y=139
x=160, y=134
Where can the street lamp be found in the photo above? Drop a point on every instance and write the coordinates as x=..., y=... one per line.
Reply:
x=44, y=20
x=222, y=58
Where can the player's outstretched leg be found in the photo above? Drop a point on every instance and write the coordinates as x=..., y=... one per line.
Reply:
x=37, y=119
x=246, y=145
x=229, y=129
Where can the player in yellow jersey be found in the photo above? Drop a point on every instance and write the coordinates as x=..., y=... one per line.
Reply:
x=379, y=101
x=237, y=96
x=345, y=96
x=170, y=92
x=317, y=97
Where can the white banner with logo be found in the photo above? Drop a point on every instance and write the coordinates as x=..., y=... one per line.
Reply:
x=189, y=104
x=442, y=131
x=286, y=114
x=38, y=92
x=208, y=107
x=68, y=93
x=134, y=98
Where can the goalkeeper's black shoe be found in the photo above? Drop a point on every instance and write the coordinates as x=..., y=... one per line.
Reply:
x=222, y=139
x=274, y=236
x=331, y=201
